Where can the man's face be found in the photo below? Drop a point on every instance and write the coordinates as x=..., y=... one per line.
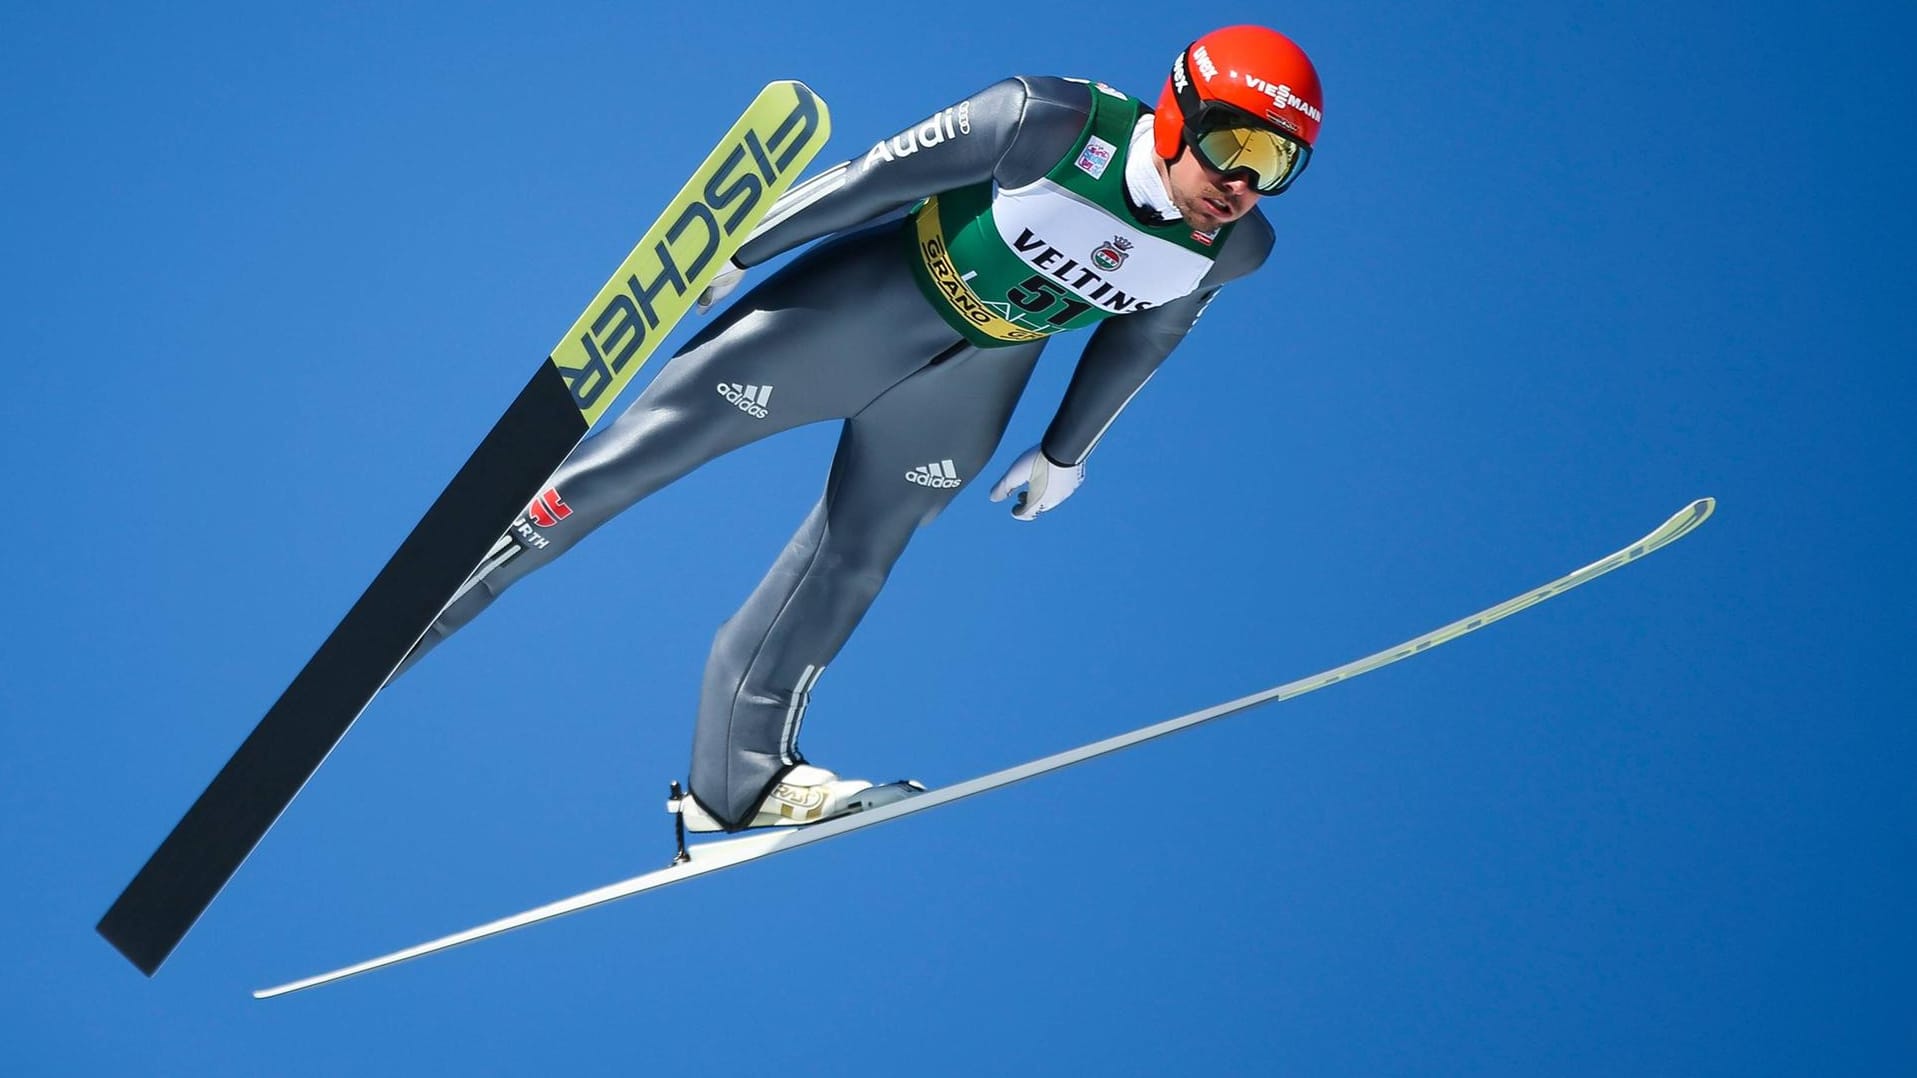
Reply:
x=1204, y=197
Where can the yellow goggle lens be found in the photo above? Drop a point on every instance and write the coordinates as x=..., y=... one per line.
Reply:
x=1267, y=155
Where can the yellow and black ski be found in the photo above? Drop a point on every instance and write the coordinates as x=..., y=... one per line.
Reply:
x=761, y=155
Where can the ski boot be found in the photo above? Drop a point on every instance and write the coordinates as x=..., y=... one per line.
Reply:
x=806, y=794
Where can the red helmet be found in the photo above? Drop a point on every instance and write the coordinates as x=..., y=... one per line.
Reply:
x=1257, y=85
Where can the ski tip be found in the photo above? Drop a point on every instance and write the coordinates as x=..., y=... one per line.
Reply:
x=1700, y=511
x=1682, y=523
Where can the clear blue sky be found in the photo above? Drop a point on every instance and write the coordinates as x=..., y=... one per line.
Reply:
x=1555, y=271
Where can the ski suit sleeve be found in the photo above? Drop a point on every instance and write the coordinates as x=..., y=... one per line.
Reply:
x=1125, y=351
x=1011, y=132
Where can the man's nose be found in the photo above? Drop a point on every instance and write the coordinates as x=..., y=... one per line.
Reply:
x=1237, y=183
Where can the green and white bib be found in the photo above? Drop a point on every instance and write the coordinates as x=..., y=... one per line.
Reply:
x=1019, y=264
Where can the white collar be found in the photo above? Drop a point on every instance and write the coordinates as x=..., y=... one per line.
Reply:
x=1141, y=174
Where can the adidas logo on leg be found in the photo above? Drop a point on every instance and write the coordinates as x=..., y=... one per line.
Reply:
x=754, y=401
x=940, y=476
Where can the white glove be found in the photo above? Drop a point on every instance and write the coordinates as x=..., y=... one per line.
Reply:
x=1047, y=484
x=722, y=285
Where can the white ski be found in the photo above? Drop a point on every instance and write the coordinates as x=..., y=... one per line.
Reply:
x=725, y=853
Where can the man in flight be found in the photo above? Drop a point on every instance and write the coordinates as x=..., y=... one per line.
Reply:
x=950, y=252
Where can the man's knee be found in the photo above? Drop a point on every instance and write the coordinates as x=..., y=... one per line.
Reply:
x=860, y=573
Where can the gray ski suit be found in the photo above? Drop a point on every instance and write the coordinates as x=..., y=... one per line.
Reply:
x=877, y=327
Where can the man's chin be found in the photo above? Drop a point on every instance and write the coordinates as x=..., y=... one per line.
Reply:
x=1205, y=220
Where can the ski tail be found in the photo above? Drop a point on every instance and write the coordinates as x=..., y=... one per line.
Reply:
x=263, y=776
x=759, y=158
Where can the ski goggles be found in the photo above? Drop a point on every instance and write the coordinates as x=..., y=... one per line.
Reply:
x=1268, y=160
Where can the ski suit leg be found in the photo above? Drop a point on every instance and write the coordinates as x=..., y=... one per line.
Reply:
x=794, y=350
x=899, y=462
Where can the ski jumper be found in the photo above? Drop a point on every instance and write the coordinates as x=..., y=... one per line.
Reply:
x=919, y=330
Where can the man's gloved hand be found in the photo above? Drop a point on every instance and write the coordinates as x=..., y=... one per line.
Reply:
x=722, y=285
x=1047, y=483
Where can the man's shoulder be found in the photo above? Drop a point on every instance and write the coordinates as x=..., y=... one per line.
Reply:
x=1051, y=91
x=1050, y=102
x=1254, y=233
x=1245, y=249
x=1044, y=113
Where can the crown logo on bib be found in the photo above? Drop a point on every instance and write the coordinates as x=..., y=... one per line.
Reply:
x=1111, y=254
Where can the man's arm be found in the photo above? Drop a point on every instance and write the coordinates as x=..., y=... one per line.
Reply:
x=1012, y=132
x=1125, y=351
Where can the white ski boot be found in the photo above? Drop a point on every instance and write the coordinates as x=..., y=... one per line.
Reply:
x=807, y=794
